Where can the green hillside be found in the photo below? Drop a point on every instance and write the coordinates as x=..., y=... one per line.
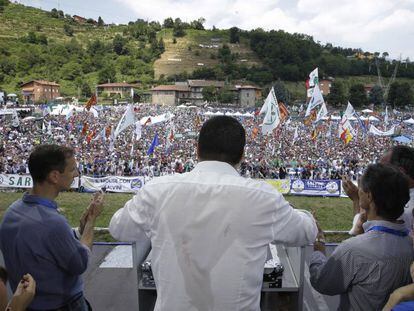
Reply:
x=35, y=44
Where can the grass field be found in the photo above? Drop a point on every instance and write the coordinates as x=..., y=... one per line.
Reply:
x=332, y=213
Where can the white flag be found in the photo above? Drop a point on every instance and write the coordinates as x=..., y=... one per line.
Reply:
x=272, y=117
x=127, y=119
x=138, y=130
x=69, y=113
x=386, y=116
x=316, y=100
x=94, y=112
x=323, y=112
x=16, y=120
x=313, y=78
x=49, y=128
x=46, y=111
x=350, y=111
x=295, y=135
x=170, y=136
x=270, y=97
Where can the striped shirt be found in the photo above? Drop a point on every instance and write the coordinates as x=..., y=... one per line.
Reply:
x=364, y=269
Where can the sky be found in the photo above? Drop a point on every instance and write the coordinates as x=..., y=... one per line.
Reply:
x=373, y=25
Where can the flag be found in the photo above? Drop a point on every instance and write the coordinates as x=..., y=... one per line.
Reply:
x=346, y=136
x=170, y=136
x=127, y=119
x=312, y=117
x=362, y=125
x=386, y=116
x=350, y=111
x=92, y=101
x=94, y=112
x=272, y=116
x=49, y=128
x=46, y=111
x=270, y=97
x=323, y=112
x=295, y=135
x=255, y=131
x=314, y=78
x=69, y=114
x=100, y=135
x=153, y=145
x=90, y=136
x=284, y=113
x=138, y=130
x=15, y=120
x=345, y=130
x=315, y=101
x=314, y=134
x=84, y=128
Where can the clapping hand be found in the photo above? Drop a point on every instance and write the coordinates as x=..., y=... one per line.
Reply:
x=350, y=189
x=24, y=293
x=94, y=209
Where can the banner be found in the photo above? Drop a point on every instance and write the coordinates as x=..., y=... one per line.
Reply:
x=112, y=184
x=281, y=185
x=377, y=132
x=23, y=181
x=309, y=187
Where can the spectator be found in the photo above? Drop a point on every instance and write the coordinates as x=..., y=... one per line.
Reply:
x=367, y=268
x=23, y=295
x=35, y=238
x=207, y=226
x=401, y=157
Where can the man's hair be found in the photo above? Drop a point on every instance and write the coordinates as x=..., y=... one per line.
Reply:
x=47, y=158
x=222, y=139
x=403, y=156
x=389, y=189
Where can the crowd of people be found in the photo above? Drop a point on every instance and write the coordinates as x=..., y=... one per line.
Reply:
x=208, y=244
x=290, y=151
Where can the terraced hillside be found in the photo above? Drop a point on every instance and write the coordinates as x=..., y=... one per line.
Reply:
x=198, y=48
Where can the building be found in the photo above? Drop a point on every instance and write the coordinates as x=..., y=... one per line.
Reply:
x=83, y=20
x=191, y=92
x=40, y=91
x=170, y=95
x=121, y=90
x=196, y=89
x=325, y=86
x=248, y=95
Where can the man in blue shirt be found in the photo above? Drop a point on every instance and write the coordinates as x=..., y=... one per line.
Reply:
x=35, y=238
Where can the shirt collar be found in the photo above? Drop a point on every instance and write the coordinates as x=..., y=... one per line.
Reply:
x=34, y=199
x=215, y=166
x=392, y=225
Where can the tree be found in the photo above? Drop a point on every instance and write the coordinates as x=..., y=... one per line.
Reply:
x=234, y=35
x=209, y=93
x=118, y=44
x=337, y=93
x=31, y=37
x=108, y=73
x=376, y=95
x=225, y=96
x=198, y=24
x=400, y=94
x=357, y=95
x=168, y=23
x=68, y=30
x=100, y=22
x=3, y=4
x=282, y=93
x=178, y=28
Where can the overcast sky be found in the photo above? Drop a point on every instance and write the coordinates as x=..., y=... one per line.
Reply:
x=373, y=25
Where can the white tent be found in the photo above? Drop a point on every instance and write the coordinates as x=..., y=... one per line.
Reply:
x=182, y=106
x=409, y=121
x=248, y=114
x=372, y=118
x=335, y=117
x=218, y=113
x=208, y=113
x=352, y=118
x=367, y=111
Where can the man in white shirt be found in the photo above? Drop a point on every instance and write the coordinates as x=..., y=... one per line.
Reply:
x=401, y=157
x=210, y=228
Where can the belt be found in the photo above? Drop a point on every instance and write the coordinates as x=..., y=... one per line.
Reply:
x=73, y=304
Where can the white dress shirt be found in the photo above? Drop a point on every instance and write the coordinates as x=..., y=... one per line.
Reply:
x=209, y=232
